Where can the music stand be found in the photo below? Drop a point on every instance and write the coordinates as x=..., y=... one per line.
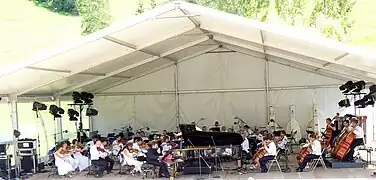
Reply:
x=217, y=160
x=199, y=160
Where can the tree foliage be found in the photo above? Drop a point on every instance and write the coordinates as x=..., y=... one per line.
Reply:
x=140, y=8
x=59, y=6
x=330, y=16
x=95, y=15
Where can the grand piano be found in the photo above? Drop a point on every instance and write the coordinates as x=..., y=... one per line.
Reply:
x=193, y=137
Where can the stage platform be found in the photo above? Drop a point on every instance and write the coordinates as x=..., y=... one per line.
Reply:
x=335, y=164
x=319, y=173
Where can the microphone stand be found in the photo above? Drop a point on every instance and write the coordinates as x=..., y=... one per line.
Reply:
x=217, y=160
x=199, y=160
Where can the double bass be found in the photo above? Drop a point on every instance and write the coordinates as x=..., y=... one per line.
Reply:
x=343, y=146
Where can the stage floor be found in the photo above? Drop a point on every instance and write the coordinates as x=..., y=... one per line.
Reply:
x=319, y=173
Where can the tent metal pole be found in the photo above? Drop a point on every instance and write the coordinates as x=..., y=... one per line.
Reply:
x=267, y=90
x=177, y=99
x=266, y=76
x=58, y=121
x=14, y=116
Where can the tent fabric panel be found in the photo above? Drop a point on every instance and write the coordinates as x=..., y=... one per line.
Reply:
x=284, y=76
x=192, y=50
x=90, y=55
x=228, y=70
x=154, y=111
x=99, y=84
x=25, y=78
x=61, y=84
x=142, y=36
x=145, y=67
x=300, y=47
x=222, y=26
x=119, y=62
x=352, y=71
x=174, y=42
x=304, y=99
x=359, y=60
x=223, y=107
x=162, y=80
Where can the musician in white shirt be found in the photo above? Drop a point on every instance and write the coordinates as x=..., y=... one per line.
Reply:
x=359, y=136
x=271, y=152
x=97, y=157
x=315, y=146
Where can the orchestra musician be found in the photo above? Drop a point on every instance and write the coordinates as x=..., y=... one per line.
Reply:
x=129, y=160
x=117, y=145
x=63, y=160
x=152, y=157
x=247, y=130
x=359, y=136
x=329, y=131
x=137, y=146
x=97, y=156
x=245, y=146
x=315, y=147
x=346, y=125
x=78, y=149
x=271, y=151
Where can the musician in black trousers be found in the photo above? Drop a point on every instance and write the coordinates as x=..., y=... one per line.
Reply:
x=152, y=157
x=315, y=146
x=359, y=135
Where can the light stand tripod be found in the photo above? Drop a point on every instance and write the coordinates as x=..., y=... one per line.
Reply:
x=199, y=160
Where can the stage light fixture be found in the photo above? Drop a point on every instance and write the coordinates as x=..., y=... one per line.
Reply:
x=347, y=87
x=73, y=114
x=91, y=112
x=359, y=86
x=77, y=98
x=16, y=133
x=56, y=111
x=344, y=103
x=87, y=97
x=37, y=106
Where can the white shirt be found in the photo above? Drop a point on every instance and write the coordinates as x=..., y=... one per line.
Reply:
x=271, y=149
x=245, y=145
x=95, y=154
x=359, y=133
x=316, y=147
x=282, y=143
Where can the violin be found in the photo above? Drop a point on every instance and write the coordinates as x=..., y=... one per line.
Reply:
x=101, y=149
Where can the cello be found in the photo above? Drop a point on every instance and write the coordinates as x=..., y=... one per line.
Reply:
x=303, y=153
x=328, y=133
x=260, y=153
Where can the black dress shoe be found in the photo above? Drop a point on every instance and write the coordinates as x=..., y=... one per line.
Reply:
x=299, y=170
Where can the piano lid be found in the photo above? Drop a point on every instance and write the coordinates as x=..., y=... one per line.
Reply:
x=199, y=138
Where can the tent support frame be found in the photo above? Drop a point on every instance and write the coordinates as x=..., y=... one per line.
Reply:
x=266, y=77
x=58, y=122
x=14, y=117
x=201, y=91
x=177, y=98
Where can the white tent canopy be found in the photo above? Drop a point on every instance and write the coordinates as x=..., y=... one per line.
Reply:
x=147, y=57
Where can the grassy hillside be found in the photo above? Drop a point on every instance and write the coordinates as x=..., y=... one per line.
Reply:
x=27, y=29
x=363, y=33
